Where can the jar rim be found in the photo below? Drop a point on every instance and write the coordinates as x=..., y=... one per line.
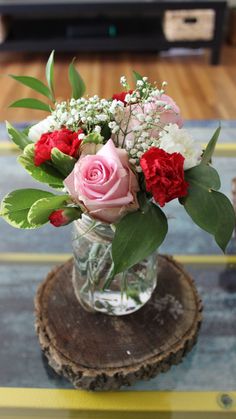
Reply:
x=94, y=229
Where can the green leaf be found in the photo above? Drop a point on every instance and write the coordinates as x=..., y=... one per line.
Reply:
x=93, y=137
x=106, y=132
x=208, y=208
x=137, y=235
x=203, y=176
x=137, y=76
x=26, y=130
x=34, y=84
x=29, y=150
x=63, y=163
x=43, y=173
x=40, y=211
x=226, y=223
x=143, y=202
x=15, y=206
x=50, y=73
x=208, y=153
x=31, y=104
x=19, y=138
x=76, y=82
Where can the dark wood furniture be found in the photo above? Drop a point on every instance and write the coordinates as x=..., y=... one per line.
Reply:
x=106, y=25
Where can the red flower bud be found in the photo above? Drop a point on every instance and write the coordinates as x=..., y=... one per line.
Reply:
x=62, y=217
x=58, y=218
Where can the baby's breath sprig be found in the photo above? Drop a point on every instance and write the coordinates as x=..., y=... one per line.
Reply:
x=87, y=113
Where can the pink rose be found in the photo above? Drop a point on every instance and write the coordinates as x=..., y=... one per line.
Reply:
x=171, y=116
x=104, y=184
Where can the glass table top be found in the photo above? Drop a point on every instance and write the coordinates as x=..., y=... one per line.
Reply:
x=27, y=256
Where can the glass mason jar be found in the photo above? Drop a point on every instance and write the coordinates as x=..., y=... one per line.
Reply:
x=92, y=280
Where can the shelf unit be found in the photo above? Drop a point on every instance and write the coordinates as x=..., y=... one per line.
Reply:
x=101, y=26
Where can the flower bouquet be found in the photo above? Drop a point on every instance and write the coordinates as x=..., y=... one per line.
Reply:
x=114, y=164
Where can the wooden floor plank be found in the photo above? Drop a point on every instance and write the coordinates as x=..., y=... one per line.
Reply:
x=202, y=91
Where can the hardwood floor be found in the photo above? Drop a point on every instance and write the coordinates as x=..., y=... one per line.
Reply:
x=202, y=91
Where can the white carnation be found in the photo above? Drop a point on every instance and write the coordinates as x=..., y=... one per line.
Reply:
x=174, y=139
x=46, y=125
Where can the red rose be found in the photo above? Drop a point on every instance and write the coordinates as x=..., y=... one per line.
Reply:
x=121, y=96
x=63, y=139
x=164, y=175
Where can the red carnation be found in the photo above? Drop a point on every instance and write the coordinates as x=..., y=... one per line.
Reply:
x=65, y=140
x=121, y=96
x=164, y=175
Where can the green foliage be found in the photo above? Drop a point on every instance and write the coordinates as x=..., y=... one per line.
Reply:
x=16, y=205
x=208, y=153
x=137, y=76
x=203, y=176
x=19, y=138
x=29, y=150
x=49, y=71
x=137, y=235
x=76, y=82
x=208, y=208
x=34, y=84
x=93, y=137
x=40, y=211
x=44, y=173
x=31, y=104
x=106, y=132
x=63, y=163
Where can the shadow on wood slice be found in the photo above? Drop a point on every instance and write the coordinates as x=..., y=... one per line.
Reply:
x=101, y=352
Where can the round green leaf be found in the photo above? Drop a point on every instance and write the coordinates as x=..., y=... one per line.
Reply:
x=40, y=211
x=16, y=205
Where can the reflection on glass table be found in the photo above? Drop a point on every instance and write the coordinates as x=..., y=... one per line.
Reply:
x=210, y=366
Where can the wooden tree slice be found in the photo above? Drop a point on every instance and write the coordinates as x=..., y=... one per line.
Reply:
x=97, y=351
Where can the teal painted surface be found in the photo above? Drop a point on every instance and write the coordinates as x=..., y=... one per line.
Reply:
x=210, y=366
x=212, y=363
x=51, y=239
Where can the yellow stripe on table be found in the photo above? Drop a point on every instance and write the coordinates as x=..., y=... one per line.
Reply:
x=221, y=150
x=16, y=257
x=55, y=403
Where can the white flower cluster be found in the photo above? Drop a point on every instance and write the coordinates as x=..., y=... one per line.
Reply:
x=144, y=90
x=173, y=139
x=145, y=119
x=138, y=129
x=46, y=125
x=135, y=152
x=86, y=113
